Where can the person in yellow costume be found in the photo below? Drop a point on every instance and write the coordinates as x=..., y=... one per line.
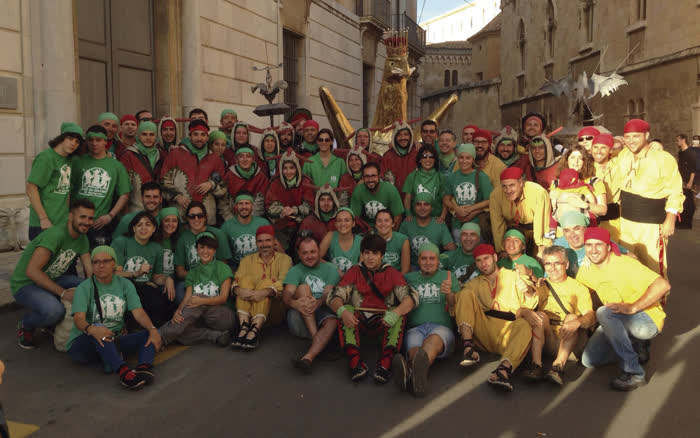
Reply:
x=496, y=311
x=258, y=286
x=631, y=314
x=521, y=204
x=651, y=195
x=606, y=171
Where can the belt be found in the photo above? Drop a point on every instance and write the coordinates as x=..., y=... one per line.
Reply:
x=508, y=316
x=640, y=209
x=613, y=213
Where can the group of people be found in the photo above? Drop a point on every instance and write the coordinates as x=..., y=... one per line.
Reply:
x=517, y=249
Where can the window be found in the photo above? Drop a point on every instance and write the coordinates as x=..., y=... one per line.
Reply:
x=640, y=108
x=549, y=72
x=551, y=26
x=447, y=78
x=479, y=76
x=631, y=110
x=635, y=43
x=521, y=44
x=454, y=78
x=588, y=9
x=291, y=48
x=521, y=85
x=641, y=10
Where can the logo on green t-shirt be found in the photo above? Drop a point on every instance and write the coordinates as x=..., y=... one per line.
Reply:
x=417, y=241
x=245, y=244
x=193, y=256
x=168, y=261
x=95, y=182
x=63, y=184
x=342, y=263
x=429, y=293
x=113, y=308
x=315, y=284
x=372, y=208
x=133, y=264
x=207, y=289
x=61, y=263
x=391, y=257
x=466, y=192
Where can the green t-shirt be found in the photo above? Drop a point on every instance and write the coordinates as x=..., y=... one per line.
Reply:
x=99, y=181
x=433, y=304
x=394, y=245
x=206, y=280
x=186, y=250
x=524, y=260
x=317, y=278
x=51, y=173
x=458, y=262
x=64, y=249
x=241, y=238
x=116, y=298
x=321, y=175
x=344, y=260
x=131, y=255
x=366, y=204
x=431, y=183
x=435, y=233
x=168, y=257
x=122, y=228
x=463, y=188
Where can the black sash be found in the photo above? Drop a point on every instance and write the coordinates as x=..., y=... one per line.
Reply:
x=507, y=316
x=613, y=213
x=640, y=209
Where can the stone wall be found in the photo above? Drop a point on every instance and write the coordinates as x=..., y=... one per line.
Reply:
x=477, y=104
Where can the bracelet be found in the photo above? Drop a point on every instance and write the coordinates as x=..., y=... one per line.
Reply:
x=86, y=329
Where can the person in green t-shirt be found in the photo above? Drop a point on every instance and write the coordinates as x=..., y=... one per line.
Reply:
x=100, y=178
x=152, y=199
x=39, y=282
x=430, y=327
x=342, y=247
x=425, y=179
x=514, y=244
x=374, y=195
x=140, y=259
x=460, y=260
x=48, y=185
x=241, y=228
x=208, y=286
x=424, y=228
x=99, y=307
x=324, y=167
x=306, y=288
x=186, y=256
x=398, y=250
x=467, y=191
x=169, y=227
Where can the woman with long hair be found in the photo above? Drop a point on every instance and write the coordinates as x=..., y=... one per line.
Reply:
x=342, y=247
x=398, y=250
x=425, y=179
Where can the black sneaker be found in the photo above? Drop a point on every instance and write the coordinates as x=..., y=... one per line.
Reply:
x=303, y=365
x=628, y=382
x=419, y=371
x=25, y=338
x=381, y=374
x=401, y=372
x=224, y=339
x=130, y=379
x=145, y=371
x=359, y=371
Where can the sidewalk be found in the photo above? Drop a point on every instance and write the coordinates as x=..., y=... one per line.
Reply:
x=8, y=260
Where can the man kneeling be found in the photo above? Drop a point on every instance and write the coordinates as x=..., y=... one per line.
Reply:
x=372, y=299
x=492, y=310
x=99, y=305
x=306, y=288
x=430, y=326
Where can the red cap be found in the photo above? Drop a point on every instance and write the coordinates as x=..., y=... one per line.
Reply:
x=636, y=125
x=298, y=117
x=511, y=173
x=167, y=123
x=483, y=134
x=265, y=229
x=308, y=123
x=537, y=118
x=483, y=249
x=127, y=117
x=588, y=130
x=605, y=139
x=284, y=126
x=596, y=233
x=474, y=127
x=198, y=127
x=568, y=178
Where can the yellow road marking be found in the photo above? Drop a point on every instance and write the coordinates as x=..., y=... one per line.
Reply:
x=21, y=430
x=168, y=352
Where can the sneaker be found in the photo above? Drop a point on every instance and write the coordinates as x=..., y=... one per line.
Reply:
x=145, y=371
x=129, y=378
x=224, y=339
x=628, y=382
x=419, y=371
x=359, y=371
x=303, y=365
x=25, y=338
x=381, y=374
x=556, y=375
x=534, y=372
x=401, y=372
x=642, y=349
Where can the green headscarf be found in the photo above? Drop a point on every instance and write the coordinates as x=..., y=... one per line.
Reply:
x=103, y=249
x=573, y=218
x=515, y=233
x=470, y=226
x=216, y=135
x=152, y=153
x=428, y=246
x=228, y=111
x=107, y=116
x=467, y=148
x=73, y=128
x=169, y=211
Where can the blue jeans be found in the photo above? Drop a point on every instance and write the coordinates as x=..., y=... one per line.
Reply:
x=611, y=341
x=296, y=324
x=179, y=291
x=86, y=350
x=46, y=309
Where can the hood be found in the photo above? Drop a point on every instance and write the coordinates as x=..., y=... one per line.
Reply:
x=507, y=133
x=265, y=133
x=289, y=156
x=400, y=125
x=233, y=135
x=549, y=158
x=160, y=125
x=356, y=150
x=325, y=190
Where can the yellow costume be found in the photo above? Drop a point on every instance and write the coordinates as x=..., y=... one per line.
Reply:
x=650, y=186
x=532, y=209
x=255, y=274
x=492, y=168
x=622, y=280
x=607, y=173
x=575, y=297
x=511, y=339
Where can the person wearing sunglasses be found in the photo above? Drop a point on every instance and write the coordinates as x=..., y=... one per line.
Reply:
x=586, y=136
x=425, y=179
x=324, y=167
x=186, y=256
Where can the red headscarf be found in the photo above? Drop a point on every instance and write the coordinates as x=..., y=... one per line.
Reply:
x=588, y=130
x=605, y=139
x=636, y=125
x=511, y=173
x=483, y=249
x=595, y=233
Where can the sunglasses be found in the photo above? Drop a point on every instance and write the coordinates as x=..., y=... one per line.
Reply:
x=586, y=138
x=427, y=156
x=325, y=140
x=195, y=216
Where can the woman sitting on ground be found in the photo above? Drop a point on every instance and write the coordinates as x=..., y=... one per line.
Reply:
x=342, y=247
x=398, y=250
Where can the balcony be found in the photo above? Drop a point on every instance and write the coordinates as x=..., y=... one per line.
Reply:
x=416, y=34
x=375, y=12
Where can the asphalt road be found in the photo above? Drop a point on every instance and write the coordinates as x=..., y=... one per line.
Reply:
x=205, y=391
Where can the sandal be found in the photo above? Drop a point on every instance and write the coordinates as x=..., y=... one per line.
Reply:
x=240, y=340
x=468, y=354
x=503, y=374
x=251, y=343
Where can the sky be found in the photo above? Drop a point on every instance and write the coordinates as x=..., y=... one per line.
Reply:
x=433, y=8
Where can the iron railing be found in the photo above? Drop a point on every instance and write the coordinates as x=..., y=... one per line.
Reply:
x=416, y=34
x=380, y=10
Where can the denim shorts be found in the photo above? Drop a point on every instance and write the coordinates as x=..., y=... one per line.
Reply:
x=415, y=337
x=296, y=324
